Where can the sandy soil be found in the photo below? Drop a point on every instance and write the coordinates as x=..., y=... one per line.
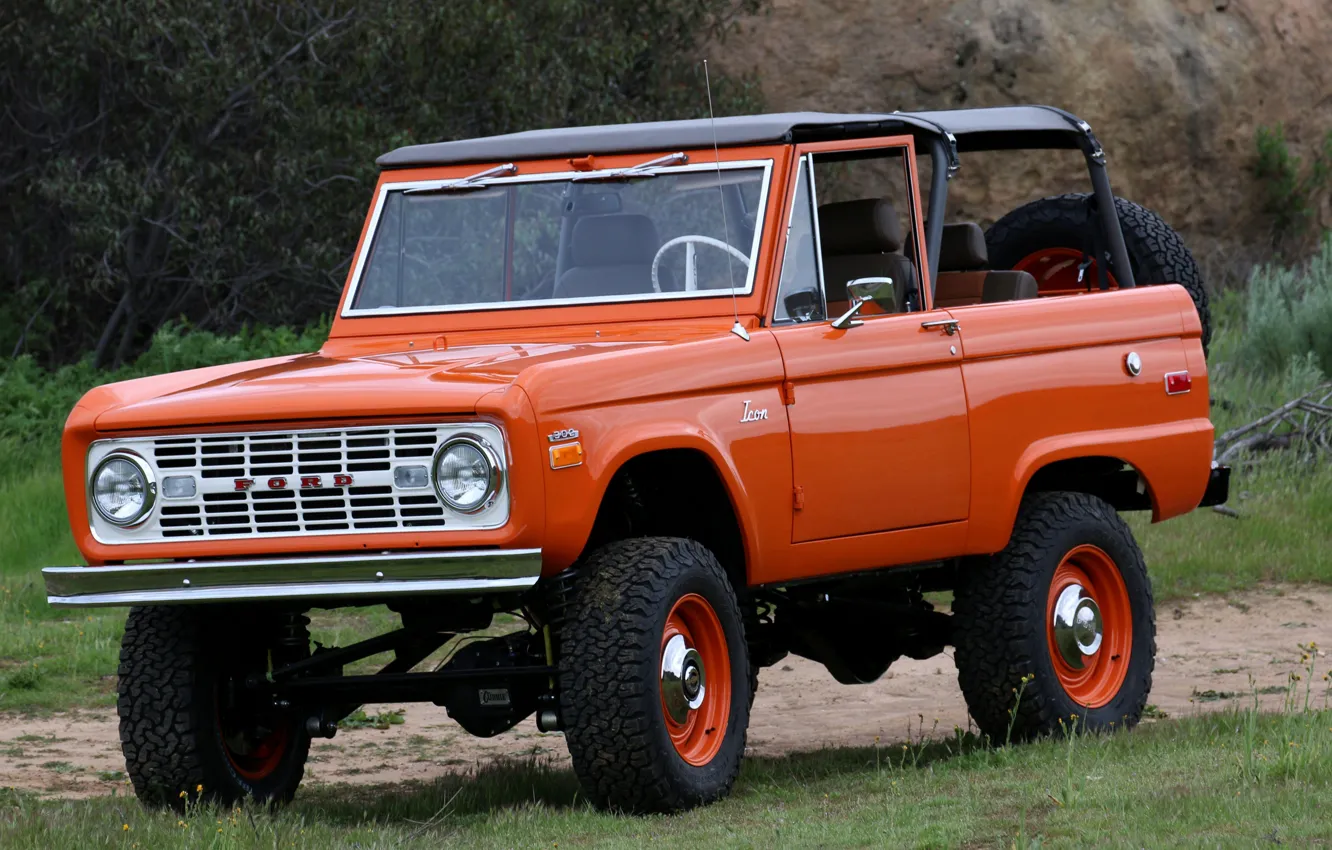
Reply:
x=1207, y=650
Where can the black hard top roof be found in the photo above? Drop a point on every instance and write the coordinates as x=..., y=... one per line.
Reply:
x=993, y=128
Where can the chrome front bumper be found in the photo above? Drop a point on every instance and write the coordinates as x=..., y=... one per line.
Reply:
x=327, y=576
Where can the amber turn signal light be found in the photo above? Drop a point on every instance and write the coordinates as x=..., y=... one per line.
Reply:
x=565, y=456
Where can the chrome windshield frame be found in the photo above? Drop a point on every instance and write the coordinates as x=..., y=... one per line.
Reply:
x=362, y=257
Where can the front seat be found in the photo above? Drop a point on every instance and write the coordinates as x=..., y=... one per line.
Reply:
x=864, y=239
x=611, y=255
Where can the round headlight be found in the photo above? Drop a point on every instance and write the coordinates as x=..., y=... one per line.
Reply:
x=123, y=489
x=467, y=474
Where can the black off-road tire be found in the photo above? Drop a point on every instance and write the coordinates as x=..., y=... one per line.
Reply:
x=1000, y=608
x=171, y=671
x=1155, y=251
x=610, y=676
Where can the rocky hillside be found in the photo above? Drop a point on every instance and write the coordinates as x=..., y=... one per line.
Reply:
x=1175, y=89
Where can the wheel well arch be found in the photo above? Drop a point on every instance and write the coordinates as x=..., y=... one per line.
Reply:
x=672, y=492
x=1112, y=479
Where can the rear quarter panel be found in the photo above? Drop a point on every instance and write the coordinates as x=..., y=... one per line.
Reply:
x=1046, y=381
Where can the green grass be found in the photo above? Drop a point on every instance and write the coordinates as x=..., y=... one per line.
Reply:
x=1283, y=534
x=1229, y=779
x=49, y=658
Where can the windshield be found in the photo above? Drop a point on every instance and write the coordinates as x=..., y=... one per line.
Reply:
x=687, y=231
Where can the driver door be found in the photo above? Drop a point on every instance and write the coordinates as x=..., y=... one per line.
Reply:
x=878, y=421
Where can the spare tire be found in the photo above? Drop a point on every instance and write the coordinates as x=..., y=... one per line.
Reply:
x=1051, y=238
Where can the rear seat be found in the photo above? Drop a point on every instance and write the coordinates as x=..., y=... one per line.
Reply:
x=964, y=278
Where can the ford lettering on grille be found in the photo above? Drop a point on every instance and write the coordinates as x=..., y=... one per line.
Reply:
x=308, y=482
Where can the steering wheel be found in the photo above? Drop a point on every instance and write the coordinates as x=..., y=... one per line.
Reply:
x=690, y=283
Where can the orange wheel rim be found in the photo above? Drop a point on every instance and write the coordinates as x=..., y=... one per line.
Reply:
x=1056, y=271
x=696, y=679
x=1087, y=596
x=253, y=758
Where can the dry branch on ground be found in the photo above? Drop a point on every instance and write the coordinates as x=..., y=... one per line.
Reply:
x=1305, y=421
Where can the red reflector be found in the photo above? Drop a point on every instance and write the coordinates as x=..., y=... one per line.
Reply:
x=1178, y=382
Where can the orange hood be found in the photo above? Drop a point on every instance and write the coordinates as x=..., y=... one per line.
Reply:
x=315, y=386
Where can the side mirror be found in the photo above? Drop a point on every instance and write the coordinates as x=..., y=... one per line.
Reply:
x=802, y=305
x=860, y=291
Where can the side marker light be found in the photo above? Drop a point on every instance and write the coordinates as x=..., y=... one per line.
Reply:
x=1177, y=383
x=566, y=455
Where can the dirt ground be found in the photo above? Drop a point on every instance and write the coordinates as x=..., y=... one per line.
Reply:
x=1207, y=650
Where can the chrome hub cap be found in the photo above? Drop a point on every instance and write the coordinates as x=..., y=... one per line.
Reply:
x=683, y=679
x=1077, y=626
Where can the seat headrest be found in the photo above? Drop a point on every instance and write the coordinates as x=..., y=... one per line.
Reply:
x=963, y=248
x=614, y=240
x=868, y=226
x=1009, y=286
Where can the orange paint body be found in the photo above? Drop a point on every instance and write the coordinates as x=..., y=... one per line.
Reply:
x=907, y=444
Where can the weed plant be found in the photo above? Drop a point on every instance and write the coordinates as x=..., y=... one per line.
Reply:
x=1288, y=318
x=1293, y=190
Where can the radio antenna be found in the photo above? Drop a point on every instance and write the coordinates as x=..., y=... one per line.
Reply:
x=737, y=329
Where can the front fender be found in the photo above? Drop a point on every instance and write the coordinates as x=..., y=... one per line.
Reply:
x=752, y=460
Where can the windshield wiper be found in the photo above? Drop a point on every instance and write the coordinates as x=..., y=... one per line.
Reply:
x=643, y=169
x=466, y=184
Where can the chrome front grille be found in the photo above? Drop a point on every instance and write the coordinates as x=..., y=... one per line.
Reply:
x=287, y=483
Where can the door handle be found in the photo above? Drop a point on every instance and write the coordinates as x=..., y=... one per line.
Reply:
x=948, y=326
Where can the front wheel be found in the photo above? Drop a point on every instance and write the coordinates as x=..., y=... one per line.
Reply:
x=188, y=727
x=1057, y=626
x=654, y=677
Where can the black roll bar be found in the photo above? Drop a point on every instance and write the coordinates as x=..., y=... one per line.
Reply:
x=1114, y=234
x=940, y=167
x=944, y=162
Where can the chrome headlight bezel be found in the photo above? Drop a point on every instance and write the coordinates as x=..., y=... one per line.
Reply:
x=149, y=489
x=493, y=461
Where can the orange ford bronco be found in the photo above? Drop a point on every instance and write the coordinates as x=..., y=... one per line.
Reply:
x=612, y=417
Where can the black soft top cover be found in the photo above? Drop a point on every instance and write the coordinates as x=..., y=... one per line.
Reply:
x=995, y=128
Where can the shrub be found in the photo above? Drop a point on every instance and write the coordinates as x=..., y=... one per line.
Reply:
x=1288, y=315
x=169, y=158
x=24, y=679
x=1292, y=191
x=34, y=402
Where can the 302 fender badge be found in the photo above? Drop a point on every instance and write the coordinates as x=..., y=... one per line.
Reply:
x=566, y=434
x=753, y=415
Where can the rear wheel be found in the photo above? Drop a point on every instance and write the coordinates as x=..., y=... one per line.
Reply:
x=654, y=677
x=188, y=727
x=1052, y=240
x=1058, y=625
